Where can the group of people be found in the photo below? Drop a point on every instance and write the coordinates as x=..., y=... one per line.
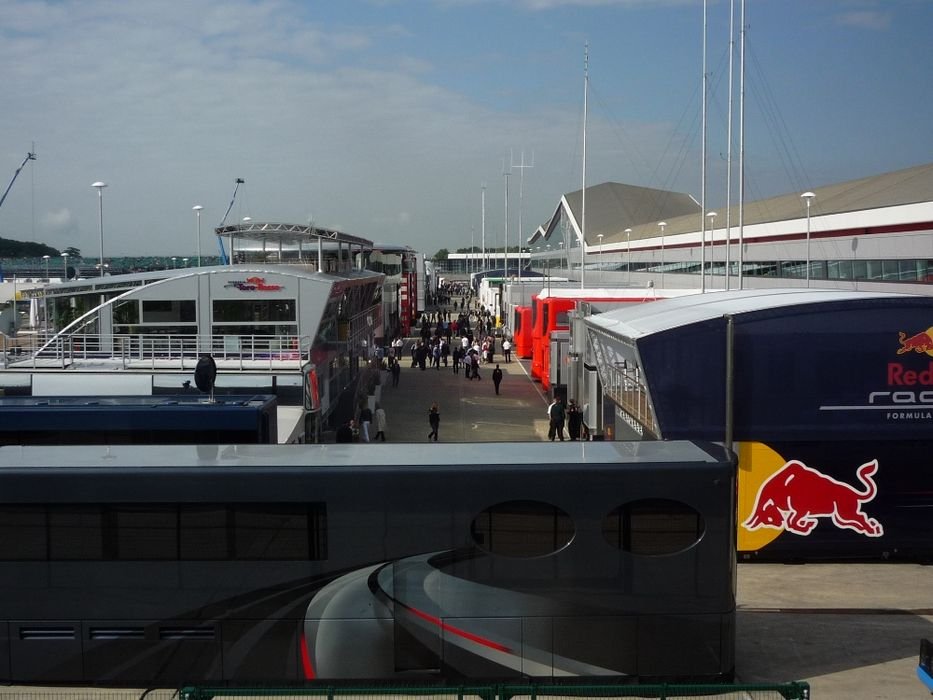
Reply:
x=559, y=415
x=450, y=341
x=361, y=430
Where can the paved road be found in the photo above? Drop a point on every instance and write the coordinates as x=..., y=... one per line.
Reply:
x=470, y=409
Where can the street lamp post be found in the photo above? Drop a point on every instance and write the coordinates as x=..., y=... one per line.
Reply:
x=65, y=263
x=197, y=210
x=99, y=186
x=184, y=262
x=712, y=234
x=561, y=258
x=628, y=245
x=46, y=258
x=808, y=197
x=600, y=237
x=663, y=225
x=173, y=261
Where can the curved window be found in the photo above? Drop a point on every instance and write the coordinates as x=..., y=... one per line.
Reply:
x=653, y=527
x=522, y=529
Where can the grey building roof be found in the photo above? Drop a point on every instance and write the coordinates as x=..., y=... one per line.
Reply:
x=908, y=186
x=612, y=207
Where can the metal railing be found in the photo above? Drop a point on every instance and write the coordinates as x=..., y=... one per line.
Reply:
x=159, y=351
x=776, y=691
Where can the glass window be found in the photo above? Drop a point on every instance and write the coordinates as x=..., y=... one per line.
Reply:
x=653, y=527
x=22, y=533
x=254, y=310
x=126, y=312
x=909, y=270
x=146, y=533
x=859, y=269
x=169, y=311
x=267, y=534
x=522, y=529
x=204, y=533
x=874, y=270
x=76, y=533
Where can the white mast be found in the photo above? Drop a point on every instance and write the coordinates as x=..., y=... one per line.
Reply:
x=586, y=84
x=521, y=190
x=505, y=265
x=729, y=139
x=742, y=151
x=484, y=226
x=703, y=169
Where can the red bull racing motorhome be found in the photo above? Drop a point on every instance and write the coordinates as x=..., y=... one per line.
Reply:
x=825, y=395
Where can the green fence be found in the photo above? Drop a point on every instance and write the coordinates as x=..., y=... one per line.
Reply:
x=782, y=691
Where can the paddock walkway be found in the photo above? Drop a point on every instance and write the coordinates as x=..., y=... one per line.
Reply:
x=470, y=409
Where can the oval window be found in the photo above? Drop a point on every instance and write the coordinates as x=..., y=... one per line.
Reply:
x=653, y=527
x=522, y=529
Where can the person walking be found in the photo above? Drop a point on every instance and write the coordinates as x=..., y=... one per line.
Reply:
x=396, y=372
x=380, y=417
x=434, y=420
x=507, y=349
x=366, y=418
x=497, y=378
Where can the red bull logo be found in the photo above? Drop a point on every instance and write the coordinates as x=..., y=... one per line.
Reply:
x=796, y=496
x=921, y=342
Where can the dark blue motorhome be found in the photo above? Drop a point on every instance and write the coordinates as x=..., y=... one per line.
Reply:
x=826, y=396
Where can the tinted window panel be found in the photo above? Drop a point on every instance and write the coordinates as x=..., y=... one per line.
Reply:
x=271, y=535
x=653, y=527
x=23, y=533
x=204, y=534
x=522, y=529
x=147, y=534
x=76, y=533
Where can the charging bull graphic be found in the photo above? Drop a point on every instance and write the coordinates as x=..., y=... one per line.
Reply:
x=795, y=496
x=921, y=342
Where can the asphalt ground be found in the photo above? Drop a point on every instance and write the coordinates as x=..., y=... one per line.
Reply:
x=850, y=630
x=470, y=409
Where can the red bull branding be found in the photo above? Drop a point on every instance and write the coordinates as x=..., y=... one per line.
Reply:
x=796, y=496
x=919, y=342
x=907, y=395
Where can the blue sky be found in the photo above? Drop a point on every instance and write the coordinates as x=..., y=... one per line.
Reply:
x=384, y=118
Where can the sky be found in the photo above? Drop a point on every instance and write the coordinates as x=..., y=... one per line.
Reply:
x=386, y=119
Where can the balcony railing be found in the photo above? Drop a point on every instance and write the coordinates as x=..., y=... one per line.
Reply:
x=159, y=351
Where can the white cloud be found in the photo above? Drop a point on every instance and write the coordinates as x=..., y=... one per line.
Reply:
x=865, y=19
x=60, y=220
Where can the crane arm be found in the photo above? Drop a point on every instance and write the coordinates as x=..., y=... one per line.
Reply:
x=223, y=253
x=29, y=157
